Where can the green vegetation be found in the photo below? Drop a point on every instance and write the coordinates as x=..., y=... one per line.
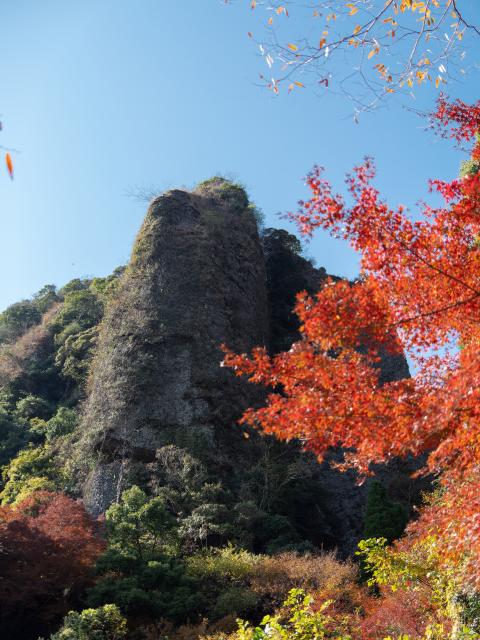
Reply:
x=299, y=622
x=104, y=623
x=140, y=570
x=384, y=518
x=232, y=193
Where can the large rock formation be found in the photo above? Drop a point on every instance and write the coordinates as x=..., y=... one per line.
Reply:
x=196, y=280
x=199, y=277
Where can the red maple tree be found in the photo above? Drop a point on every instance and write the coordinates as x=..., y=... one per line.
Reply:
x=419, y=291
x=48, y=545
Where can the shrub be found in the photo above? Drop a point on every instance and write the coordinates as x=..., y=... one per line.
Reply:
x=277, y=575
x=32, y=407
x=62, y=423
x=33, y=468
x=300, y=621
x=227, y=564
x=104, y=623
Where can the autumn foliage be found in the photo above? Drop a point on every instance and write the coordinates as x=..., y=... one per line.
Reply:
x=48, y=546
x=419, y=291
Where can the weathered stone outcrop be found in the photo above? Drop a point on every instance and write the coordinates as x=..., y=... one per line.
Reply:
x=196, y=280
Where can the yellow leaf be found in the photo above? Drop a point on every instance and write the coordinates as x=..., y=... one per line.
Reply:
x=292, y=47
x=353, y=11
x=299, y=84
x=372, y=53
x=357, y=29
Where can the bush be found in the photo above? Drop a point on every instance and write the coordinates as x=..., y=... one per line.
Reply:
x=32, y=407
x=32, y=469
x=227, y=564
x=224, y=577
x=62, y=423
x=300, y=621
x=104, y=623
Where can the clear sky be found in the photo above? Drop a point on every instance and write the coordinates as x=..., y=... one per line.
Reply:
x=102, y=97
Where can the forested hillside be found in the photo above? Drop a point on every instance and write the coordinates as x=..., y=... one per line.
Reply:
x=100, y=400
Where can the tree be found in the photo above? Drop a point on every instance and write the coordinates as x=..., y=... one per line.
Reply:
x=17, y=318
x=364, y=50
x=419, y=292
x=49, y=545
x=139, y=570
x=384, y=518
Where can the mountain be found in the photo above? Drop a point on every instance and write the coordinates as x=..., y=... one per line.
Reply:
x=136, y=360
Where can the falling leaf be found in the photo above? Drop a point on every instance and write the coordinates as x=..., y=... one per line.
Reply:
x=9, y=163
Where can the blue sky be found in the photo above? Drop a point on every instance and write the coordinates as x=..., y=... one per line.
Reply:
x=105, y=96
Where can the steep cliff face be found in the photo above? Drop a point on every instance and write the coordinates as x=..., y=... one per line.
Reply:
x=196, y=280
x=200, y=276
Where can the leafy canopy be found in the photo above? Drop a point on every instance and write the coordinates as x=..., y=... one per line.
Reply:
x=420, y=292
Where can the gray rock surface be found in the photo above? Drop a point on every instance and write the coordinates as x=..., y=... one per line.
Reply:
x=196, y=280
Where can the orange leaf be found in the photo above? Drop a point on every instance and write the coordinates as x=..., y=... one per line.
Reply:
x=8, y=160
